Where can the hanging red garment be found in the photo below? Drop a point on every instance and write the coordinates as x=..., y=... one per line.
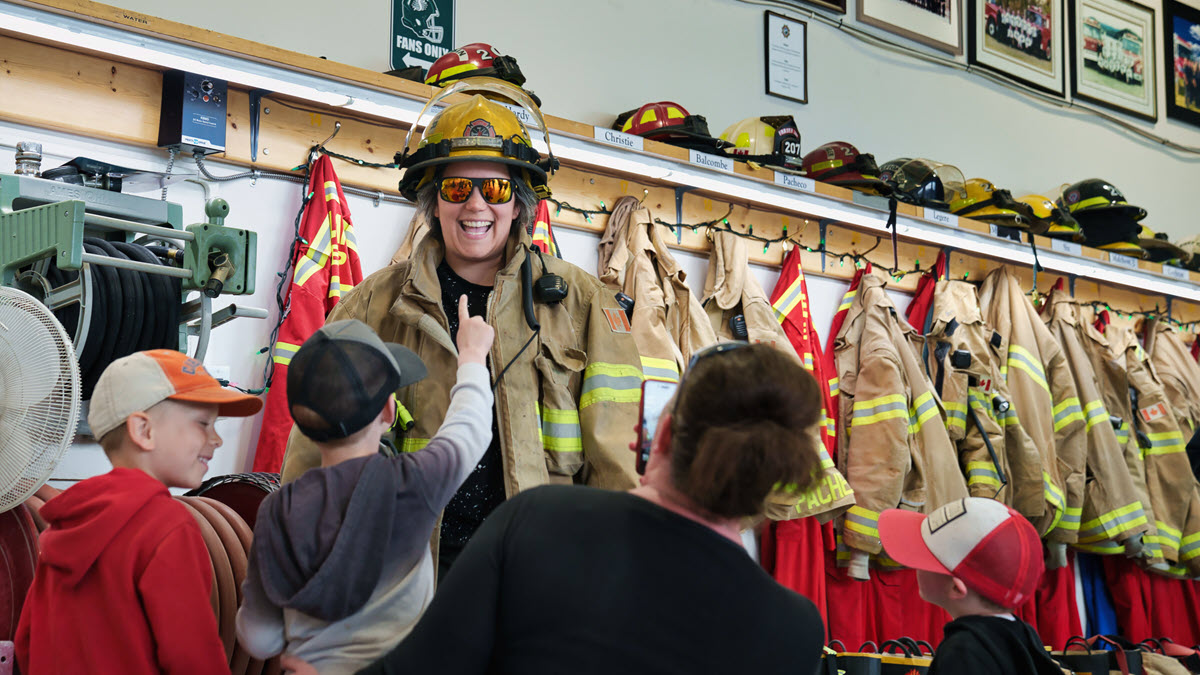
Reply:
x=918, y=310
x=797, y=546
x=1053, y=610
x=325, y=266
x=542, y=233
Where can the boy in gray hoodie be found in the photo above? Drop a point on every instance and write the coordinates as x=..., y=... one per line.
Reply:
x=340, y=569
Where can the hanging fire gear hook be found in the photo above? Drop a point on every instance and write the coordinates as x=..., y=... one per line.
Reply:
x=891, y=225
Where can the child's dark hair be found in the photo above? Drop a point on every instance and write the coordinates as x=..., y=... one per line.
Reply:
x=740, y=427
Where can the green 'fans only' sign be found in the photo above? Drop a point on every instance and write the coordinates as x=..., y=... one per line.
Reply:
x=422, y=30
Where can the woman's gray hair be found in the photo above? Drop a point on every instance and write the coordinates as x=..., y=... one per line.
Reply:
x=427, y=198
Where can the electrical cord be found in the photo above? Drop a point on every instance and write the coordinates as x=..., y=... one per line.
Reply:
x=256, y=174
x=1048, y=99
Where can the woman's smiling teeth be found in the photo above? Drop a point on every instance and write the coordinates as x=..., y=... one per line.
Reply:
x=476, y=228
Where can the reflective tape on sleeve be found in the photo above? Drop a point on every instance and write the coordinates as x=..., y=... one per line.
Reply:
x=1067, y=411
x=284, y=351
x=560, y=430
x=923, y=409
x=1021, y=358
x=1095, y=413
x=1166, y=443
x=660, y=369
x=863, y=521
x=956, y=415
x=1113, y=524
x=612, y=382
x=983, y=473
x=413, y=444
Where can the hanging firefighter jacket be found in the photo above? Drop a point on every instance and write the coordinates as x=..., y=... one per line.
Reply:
x=962, y=358
x=1113, y=512
x=668, y=323
x=736, y=304
x=791, y=325
x=1179, y=372
x=325, y=265
x=1043, y=397
x=1169, y=480
x=894, y=449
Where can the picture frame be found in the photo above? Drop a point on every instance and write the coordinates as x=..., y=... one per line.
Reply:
x=836, y=6
x=1181, y=68
x=1023, y=40
x=1114, y=57
x=934, y=23
x=785, y=57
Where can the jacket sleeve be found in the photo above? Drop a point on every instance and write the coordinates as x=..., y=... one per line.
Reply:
x=259, y=621
x=877, y=452
x=175, y=588
x=609, y=396
x=1070, y=447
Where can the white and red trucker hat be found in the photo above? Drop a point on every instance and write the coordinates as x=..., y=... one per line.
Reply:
x=993, y=549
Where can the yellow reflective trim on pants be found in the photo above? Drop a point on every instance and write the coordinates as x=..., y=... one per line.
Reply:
x=1021, y=358
x=1066, y=412
x=284, y=351
x=661, y=369
x=863, y=521
x=413, y=444
x=612, y=382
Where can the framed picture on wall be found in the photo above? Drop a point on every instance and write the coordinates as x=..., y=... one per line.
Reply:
x=1181, y=72
x=838, y=6
x=786, y=57
x=1113, y=55
x=1021, y=39
x=937, y=23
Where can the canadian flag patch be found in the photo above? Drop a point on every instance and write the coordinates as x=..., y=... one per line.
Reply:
x=1153, y=412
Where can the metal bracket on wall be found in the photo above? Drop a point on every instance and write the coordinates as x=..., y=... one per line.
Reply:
x=256, y=96
x=679, y=193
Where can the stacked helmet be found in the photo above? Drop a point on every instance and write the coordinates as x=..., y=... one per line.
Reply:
x=477, y=59
x=1056, y=222
x=888, y=169
x=669, y=123
x=772, y=140
x=1108, y=221
x=1160, y=250
x=840, y=163
x=982, y=200
x=479, y=129
x=927, y=183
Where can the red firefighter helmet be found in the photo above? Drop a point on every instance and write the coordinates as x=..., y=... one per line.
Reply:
x=477, y=59
x=670, y=123
x=840, y=163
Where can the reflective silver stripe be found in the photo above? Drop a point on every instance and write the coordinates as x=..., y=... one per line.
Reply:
x=652, y=372
x=1109, y=527
x=592, y=382
x=883, y=407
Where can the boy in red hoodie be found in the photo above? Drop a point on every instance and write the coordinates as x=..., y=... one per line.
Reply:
x=124, y=578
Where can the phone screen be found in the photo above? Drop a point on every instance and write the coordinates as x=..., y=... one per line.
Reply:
x=655, y=396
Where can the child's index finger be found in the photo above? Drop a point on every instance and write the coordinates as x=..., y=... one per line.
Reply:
x=464, y=312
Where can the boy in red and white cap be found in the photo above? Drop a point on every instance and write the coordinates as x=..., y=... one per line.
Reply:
x=124, y=577
x=977, y=559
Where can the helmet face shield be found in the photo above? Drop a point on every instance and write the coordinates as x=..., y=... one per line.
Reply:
x=926, y=183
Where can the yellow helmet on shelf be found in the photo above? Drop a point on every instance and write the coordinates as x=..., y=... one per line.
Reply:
x=982, y=200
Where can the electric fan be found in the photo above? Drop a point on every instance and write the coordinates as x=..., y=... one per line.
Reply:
x=39, y=395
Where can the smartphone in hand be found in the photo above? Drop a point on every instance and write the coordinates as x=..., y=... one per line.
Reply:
x=655, y=396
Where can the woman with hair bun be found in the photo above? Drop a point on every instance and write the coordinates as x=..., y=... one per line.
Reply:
x=654, y=580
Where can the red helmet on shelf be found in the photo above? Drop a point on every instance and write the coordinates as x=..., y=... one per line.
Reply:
x=670, y=123
x=840, y=163
x=477, y=59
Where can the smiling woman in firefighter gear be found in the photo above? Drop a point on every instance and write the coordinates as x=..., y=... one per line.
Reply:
x=565, y=368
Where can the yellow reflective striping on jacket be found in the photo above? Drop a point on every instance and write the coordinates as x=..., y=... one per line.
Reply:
x=413, y=444
x=1165, y=443
x=1101, y=548
x=1066, y=412
x=1071, y=516
x=862, y=521
x=833, y=386
x=790, y=298
x=879, y=409
x=1189, y=547
x=1019, y=357
x=956, y=414
x=284, y=351
x=1123, y=432
x=1054, y=496
x=660, y=369
x=560, y=429
x=1168, y=534
x=983, y=473
x=1112, y=524
x=1095, y=412
x=612, y=382
x=847, y=300
x=924, y=409
x=1009, y=417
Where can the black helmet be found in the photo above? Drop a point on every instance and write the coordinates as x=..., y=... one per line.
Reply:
x=927, y=183
x=1102, y=211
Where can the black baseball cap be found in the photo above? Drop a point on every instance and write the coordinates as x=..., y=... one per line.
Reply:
x=343, y=375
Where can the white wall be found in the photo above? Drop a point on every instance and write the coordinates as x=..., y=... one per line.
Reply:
x=590, y=60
